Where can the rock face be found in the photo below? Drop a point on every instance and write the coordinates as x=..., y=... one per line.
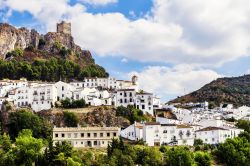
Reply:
x=11, y=38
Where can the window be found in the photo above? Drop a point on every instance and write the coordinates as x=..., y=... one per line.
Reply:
x=114, y=134
x=125, y=100
x=143, y=107
x=121, y=94
x=56, y=135
x=62, y=95
x=130, y=94
x=63, y=135
x=62, y=88
x=206, y=140
x=213, y=139
x=101, y=134
x=75, y=135
x=165, y=131
x=82, y=134
x=130, y=100
x=108, y=134
x=69, y=135
x=88, y=134
x=120, y=100
x=95, y=142
x=95, y=134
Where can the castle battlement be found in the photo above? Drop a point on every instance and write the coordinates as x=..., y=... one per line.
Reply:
x=64, y=27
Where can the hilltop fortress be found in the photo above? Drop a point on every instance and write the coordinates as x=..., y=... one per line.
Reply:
x=64, y=28
x=12, y=38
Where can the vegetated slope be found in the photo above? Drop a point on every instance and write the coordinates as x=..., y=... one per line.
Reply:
x=235, y=90
x=50, y=57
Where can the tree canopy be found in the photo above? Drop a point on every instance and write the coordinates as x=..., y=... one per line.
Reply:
x=52, y=69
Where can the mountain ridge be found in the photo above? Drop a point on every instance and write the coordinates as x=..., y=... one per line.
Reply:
x=234, y=90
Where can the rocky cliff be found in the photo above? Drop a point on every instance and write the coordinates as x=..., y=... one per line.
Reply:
x=12, y=38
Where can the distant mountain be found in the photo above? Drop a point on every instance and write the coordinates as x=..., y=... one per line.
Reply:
x=235, y=90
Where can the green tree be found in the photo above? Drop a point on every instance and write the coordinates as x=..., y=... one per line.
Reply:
x=202, y=159
x=70, y=119
x=198, y=142
x=5, y=142
x=179, y=156
x=234, y=152
x=28, y=148
x=244, y=124
x=24, y=119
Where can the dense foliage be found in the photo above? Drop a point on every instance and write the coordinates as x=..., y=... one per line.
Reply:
x=24, y=119
x=132, y=114
x=26, y=151
x=70, y=119
x=67, y=103
x=236, y=151
x=49, y=70
x=244, y=124
x=16, y=52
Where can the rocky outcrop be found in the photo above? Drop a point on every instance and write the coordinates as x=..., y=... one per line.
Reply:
x=11, y=38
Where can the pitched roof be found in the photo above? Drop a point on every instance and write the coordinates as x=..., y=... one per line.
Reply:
x=152, y=123
x=168, y=124
x=183, y=126
x=210, y=128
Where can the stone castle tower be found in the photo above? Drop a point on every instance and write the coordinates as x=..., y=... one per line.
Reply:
x=135, y=80
x=64, y=27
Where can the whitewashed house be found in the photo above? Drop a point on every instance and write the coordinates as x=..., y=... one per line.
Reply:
x=144, y=102
x=64, y=90
x=125, y=97
x=156, y=134
x=163, y=120
x=43, y=97
x=215, y=135
x=134, y=132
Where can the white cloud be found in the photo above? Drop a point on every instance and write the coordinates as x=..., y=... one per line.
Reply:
x=47, y=12
x=99, y=2
x=172, y=82
x=124, y=60
x=205, y=33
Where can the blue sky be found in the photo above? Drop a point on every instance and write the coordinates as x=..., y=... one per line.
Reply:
x=170, y=45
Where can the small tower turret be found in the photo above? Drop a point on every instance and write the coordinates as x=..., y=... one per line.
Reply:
x=64, y=27
x=135, y=80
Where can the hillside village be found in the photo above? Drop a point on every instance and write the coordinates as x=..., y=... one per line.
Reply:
x=197, y=122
